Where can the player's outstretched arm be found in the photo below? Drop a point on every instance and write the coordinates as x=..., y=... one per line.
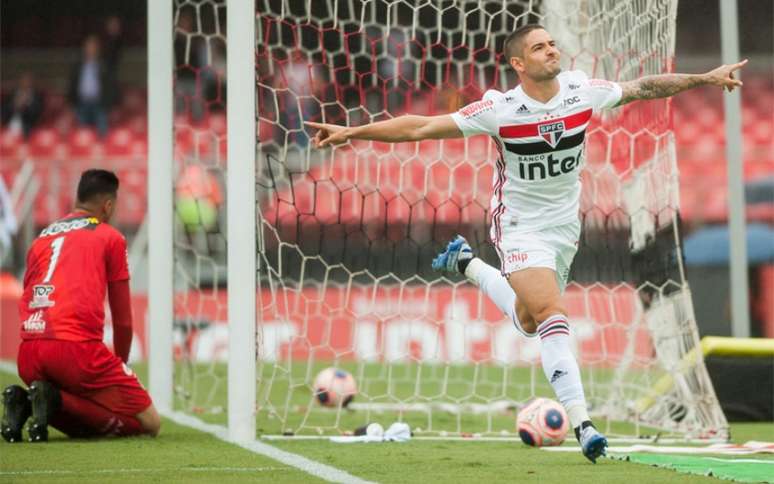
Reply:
x=403, y=128
x=665, y=85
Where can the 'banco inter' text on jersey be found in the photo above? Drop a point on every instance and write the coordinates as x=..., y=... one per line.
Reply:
x=536, y=182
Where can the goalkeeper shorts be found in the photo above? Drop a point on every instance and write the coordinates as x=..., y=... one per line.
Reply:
x=552, y=247
x=86, y=369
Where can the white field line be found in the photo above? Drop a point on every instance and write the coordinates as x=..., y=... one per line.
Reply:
x=8, y=366
x=663, y=450
x=61, y=472
x=457, y=438
x=317, y=469
x=746, y=461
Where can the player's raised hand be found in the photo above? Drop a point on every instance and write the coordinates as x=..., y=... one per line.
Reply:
x=328, y=134
x=723, y=76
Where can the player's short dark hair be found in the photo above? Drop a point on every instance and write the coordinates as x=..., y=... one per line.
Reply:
x=97, y=182
x=513, y=45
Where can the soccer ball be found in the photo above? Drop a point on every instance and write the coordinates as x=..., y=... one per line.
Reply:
x=334, y=387
x=542, y=422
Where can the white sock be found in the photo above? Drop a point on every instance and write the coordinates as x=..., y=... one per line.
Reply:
x=560, y=367
x=495, y=286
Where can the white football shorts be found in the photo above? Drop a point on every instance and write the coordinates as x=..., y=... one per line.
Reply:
x=552, y=247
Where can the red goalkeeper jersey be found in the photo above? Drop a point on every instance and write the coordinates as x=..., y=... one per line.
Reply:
x=68, y=268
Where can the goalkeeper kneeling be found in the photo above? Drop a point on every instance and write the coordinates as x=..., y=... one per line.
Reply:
x=75, y=383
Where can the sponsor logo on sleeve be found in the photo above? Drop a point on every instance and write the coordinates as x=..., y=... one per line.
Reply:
x=476, y=108
x=35, y=323
x=40, y=294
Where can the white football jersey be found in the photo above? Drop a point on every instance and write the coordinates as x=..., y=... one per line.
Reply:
x=536, y=182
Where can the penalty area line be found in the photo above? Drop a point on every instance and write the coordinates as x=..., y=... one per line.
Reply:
x=317, y=469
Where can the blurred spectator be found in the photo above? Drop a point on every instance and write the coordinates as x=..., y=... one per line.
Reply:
x=93, y=87
x=112, y=42
x=22, y=106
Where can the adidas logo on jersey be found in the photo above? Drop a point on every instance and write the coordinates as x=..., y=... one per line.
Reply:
x=522, y=109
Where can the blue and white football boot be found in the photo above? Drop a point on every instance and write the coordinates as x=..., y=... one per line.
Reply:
x=457, y=250
x=592, y=443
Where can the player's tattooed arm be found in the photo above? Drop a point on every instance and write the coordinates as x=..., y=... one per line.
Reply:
x=665, y=85
x=403, y=128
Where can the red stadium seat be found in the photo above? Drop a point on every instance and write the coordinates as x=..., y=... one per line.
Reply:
x=54, y=105
x=11, y=145
x=139, y=146
x=119, y=142
x=45, y=144
x=138, y=124
x=84, y=144
x=133, y=194
x=216, y=122
x=183, y=140
x=134, y=101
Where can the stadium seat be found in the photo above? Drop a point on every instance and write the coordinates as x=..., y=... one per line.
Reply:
x=119, y=142
x=84, y=143
x=134, y=194
x=216, y=122
x=183, y=140
x=138, y=124
x=134, y=101
x=11, y=145
x=45, y=144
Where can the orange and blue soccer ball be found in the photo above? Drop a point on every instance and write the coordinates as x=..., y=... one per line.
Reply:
x=542, y=422
x=334, y=387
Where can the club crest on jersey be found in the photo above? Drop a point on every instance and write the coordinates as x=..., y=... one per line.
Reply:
x=551, y=132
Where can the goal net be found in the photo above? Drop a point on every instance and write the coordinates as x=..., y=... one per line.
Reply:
x=346, y=235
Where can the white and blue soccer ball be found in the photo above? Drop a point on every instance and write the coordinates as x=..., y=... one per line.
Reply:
x=542, y=422
x=334, y=387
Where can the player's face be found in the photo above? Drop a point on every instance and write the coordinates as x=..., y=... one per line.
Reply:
x=540, y=57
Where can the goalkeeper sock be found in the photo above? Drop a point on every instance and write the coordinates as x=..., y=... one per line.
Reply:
x=560, y=367
x=494, y=285
x=79, y=417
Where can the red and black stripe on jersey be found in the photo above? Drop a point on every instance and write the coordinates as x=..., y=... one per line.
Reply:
x=532, y=130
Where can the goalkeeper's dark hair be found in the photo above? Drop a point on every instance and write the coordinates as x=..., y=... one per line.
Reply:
x=514, y=43
x=97, y=182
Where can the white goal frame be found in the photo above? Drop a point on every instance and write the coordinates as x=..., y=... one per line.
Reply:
x=242, y=216
x=240, y=208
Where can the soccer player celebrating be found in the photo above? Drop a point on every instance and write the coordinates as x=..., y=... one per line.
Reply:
x=75, y=383
x=539, y=129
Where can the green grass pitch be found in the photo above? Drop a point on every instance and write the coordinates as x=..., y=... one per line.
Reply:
x=180, y=454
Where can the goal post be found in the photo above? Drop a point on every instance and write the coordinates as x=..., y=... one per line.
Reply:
x=241, y=221
x=160, y=202
x=321, y=258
